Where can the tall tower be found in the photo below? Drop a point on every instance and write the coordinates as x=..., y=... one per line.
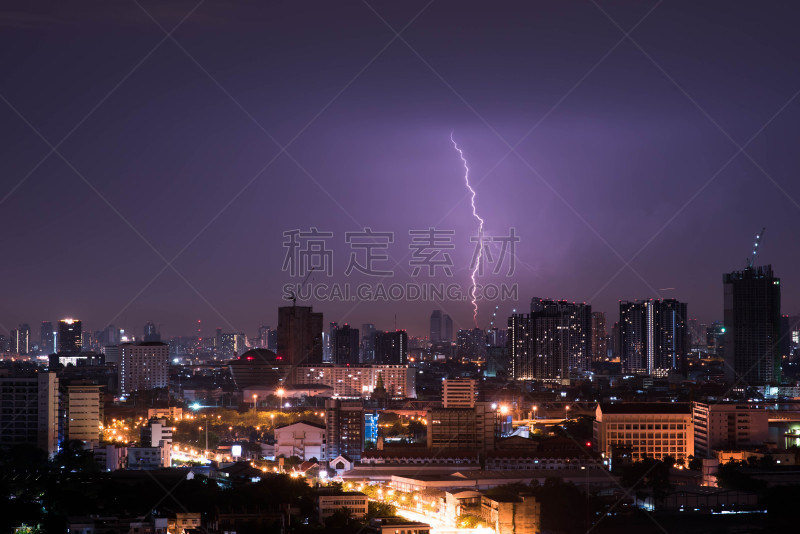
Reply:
x=46, y=338
x=653, y=338
x=752, y=326
x=69, y=335
x=345, y=346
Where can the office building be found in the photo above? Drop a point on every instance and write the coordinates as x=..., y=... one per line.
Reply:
x=344, y=429
x=329, y=502
x=368, y=334
x=143, y=366
x=752, y=326
x=728, y=426
x=391, y=348
x=345, y=346
x=83, y=412
x=299, y=335
x=447, y=328
x=46, y=336
x=21, y=339
x=459, y=392
x=653, y=336
x=644, y=430
x=232, y=345
x=29, y=411
x=70, y=335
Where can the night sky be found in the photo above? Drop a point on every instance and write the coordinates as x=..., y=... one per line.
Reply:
x=626, y=149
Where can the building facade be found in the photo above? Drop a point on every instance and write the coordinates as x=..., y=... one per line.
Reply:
x=299, y=335
x=727, y=426
x=344, y=429
x=647, y=429
x=653, y=336
x=303, y=439
x=143, y=366
x=359, y=381
x=29, y=411
x=459, y=392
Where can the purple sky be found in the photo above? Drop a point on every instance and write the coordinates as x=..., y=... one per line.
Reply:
x=622, y=157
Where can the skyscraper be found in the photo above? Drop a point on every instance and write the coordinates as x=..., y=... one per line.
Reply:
x=550, y=342
x=391, y=348
x=150, y=332
x=436, y=326
x=70, y=337
x=299, y=335
x=653, y=338
x=21, y=339
x=345, y=346
x=752, y=326
x=344, y=429
x=447, y=328
x=46, y=338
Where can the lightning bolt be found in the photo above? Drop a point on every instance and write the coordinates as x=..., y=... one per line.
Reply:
x=480, y=230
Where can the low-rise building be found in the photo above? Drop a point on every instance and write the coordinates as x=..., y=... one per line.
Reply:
x=648, y=429
x=303, y=439
x=518, y=514
x=149, y=457
x=330, y=502
x=397, y=525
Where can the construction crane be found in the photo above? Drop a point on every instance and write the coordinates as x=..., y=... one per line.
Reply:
x=293, y=298
x=752, y=260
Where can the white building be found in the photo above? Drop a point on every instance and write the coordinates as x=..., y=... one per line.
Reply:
x=303, y=439
x=155, y=432
x=143, y=366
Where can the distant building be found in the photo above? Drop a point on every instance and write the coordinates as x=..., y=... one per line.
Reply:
x=345, y=346
x=459, y=392
x=550, y=342
x=368, y=333
x=344, y=429
x=156, y=432
x=654, y=340
x=150, y=332
x=143, y=366
x=46, y=345
x=21, y=339
x=727, y=426
x=259, y=367
x=330, y=502
x=518, y=514
x=29, y=411
x=471, y=344
x=391, y=348
x=299, y=335
x=648, y=429
x=233, y=344
x=752, y=326
x=436, y=326
x=599, y=349
x=70, y=338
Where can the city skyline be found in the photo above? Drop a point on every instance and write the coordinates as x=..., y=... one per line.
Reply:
x=627, y=154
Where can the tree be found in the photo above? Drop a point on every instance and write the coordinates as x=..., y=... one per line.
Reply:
x=380, y=509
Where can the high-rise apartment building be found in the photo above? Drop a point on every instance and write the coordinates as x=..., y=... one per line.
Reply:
x=391, y=348
x=29, y=411
x=233, y=344
x=70, y=335
x=599, y=348
x=471, y=344
x=344, y=429
x=143, y=366
x=299, y=335
x=345, y=346
x=752, y=326
x=550, y=342
x=653, y=336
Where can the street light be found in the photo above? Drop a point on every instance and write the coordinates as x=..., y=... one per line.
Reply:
x=534, y=412
x=280, y=393
x=567, y=413
x=255, y=398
